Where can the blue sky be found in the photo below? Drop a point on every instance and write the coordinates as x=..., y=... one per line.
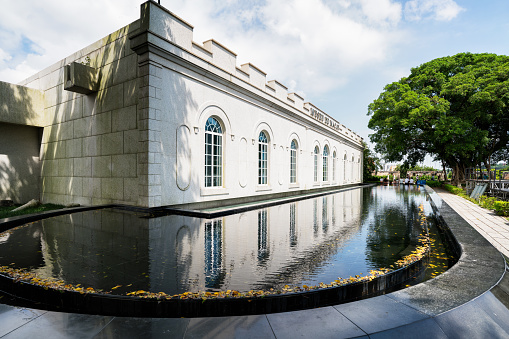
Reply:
x=338, y=54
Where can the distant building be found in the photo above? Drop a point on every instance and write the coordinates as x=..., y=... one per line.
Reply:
x=148, y=117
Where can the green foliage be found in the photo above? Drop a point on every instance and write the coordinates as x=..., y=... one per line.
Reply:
x=487, y=202
x=371, y=164
x=433, y=183
x=374, y=178
x=403, y=169
x=455, y=109
x=422, y=168
x=454, y=189
x=502, y=207
x=5, y=212
x=491, y=203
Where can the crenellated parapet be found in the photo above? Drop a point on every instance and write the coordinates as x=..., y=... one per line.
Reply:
x=166, y=25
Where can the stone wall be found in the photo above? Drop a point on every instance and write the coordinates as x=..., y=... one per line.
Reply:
x=21, y=105
x=19, y=162
x=136, y=136
x=90, y=142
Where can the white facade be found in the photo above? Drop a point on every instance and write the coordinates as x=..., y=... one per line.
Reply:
x=136, y=132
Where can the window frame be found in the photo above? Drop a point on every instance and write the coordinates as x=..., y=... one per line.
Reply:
x=334, y=163
x=293, y=161
x=315, y=155
x=263, y=158
x=213, y=153
x=325, y=163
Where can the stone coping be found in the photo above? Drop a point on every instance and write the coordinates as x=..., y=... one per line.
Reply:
x=234, y=208
x=480, y=267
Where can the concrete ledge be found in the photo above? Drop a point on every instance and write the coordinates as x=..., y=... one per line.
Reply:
x=479, y=268
x=229, y=203
x=81, y=78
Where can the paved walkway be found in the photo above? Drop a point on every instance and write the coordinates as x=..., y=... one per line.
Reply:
x=491, y=226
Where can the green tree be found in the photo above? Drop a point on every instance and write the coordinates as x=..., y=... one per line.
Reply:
x=371, y=163
x=453, y=108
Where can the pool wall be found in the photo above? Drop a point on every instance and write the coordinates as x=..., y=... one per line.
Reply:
x=133, y=306
x=93, y=303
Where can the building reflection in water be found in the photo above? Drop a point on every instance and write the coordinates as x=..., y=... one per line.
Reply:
x=315, y=217
x=214, y=271
x=284, y=244
x=263, y=249
x=293, y=233
x=325, y=215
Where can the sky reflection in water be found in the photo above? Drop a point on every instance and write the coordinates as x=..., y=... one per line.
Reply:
x=306, y=242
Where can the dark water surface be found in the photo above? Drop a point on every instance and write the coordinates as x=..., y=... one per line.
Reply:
x=306, y=242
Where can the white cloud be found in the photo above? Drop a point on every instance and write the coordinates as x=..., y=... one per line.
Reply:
x=36, y=34
x=382, y=11
x=4, y=56
x=312, y=46
x=441, y=10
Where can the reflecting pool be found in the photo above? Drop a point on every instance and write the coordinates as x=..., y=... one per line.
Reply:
x=301, y=243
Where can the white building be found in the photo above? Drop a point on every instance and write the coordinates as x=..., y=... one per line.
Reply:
x=148, y=117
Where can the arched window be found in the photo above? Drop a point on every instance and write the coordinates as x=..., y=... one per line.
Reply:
x=293, y=162
x=213, y=153
x=317, y=151
x=352, y=175
x=358, y=168
x=344, y=168
x=263, y=162
x=325, y=163
x=334, y=166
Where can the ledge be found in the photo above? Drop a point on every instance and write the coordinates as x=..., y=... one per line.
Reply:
x=479, y=268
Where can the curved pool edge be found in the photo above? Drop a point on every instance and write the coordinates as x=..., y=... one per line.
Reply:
x=436, y=308
x=132, y=306
x=480, y=268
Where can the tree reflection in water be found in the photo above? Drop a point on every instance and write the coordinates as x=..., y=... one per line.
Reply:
x=306, y=242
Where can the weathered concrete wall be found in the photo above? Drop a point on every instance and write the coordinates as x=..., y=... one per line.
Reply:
x=20, y=167
x=90, y=142
x=21, y=105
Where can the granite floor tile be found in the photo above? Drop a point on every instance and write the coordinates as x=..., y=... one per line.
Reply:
x=146, y=328
x=14, y=317
x=379, y=314
x=56, y=325
x=469, y=321
x=245, y=327
x=424, y=329
x=317, y=323
x=495, y=307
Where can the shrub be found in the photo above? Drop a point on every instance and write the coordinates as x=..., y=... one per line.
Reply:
x=454, y=189
x=488, y=203
x=501, y=207
x=432, y=183
x=374, y=178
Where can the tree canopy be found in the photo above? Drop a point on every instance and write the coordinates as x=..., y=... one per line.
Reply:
x=455, y=108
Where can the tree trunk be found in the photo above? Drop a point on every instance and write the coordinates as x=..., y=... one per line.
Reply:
x=458, y=173
x=31, y=203
x=445, y=172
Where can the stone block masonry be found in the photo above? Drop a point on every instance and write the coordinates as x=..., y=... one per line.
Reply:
x=123, y=121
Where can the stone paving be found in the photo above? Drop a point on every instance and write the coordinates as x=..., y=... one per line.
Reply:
x=491, y=226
